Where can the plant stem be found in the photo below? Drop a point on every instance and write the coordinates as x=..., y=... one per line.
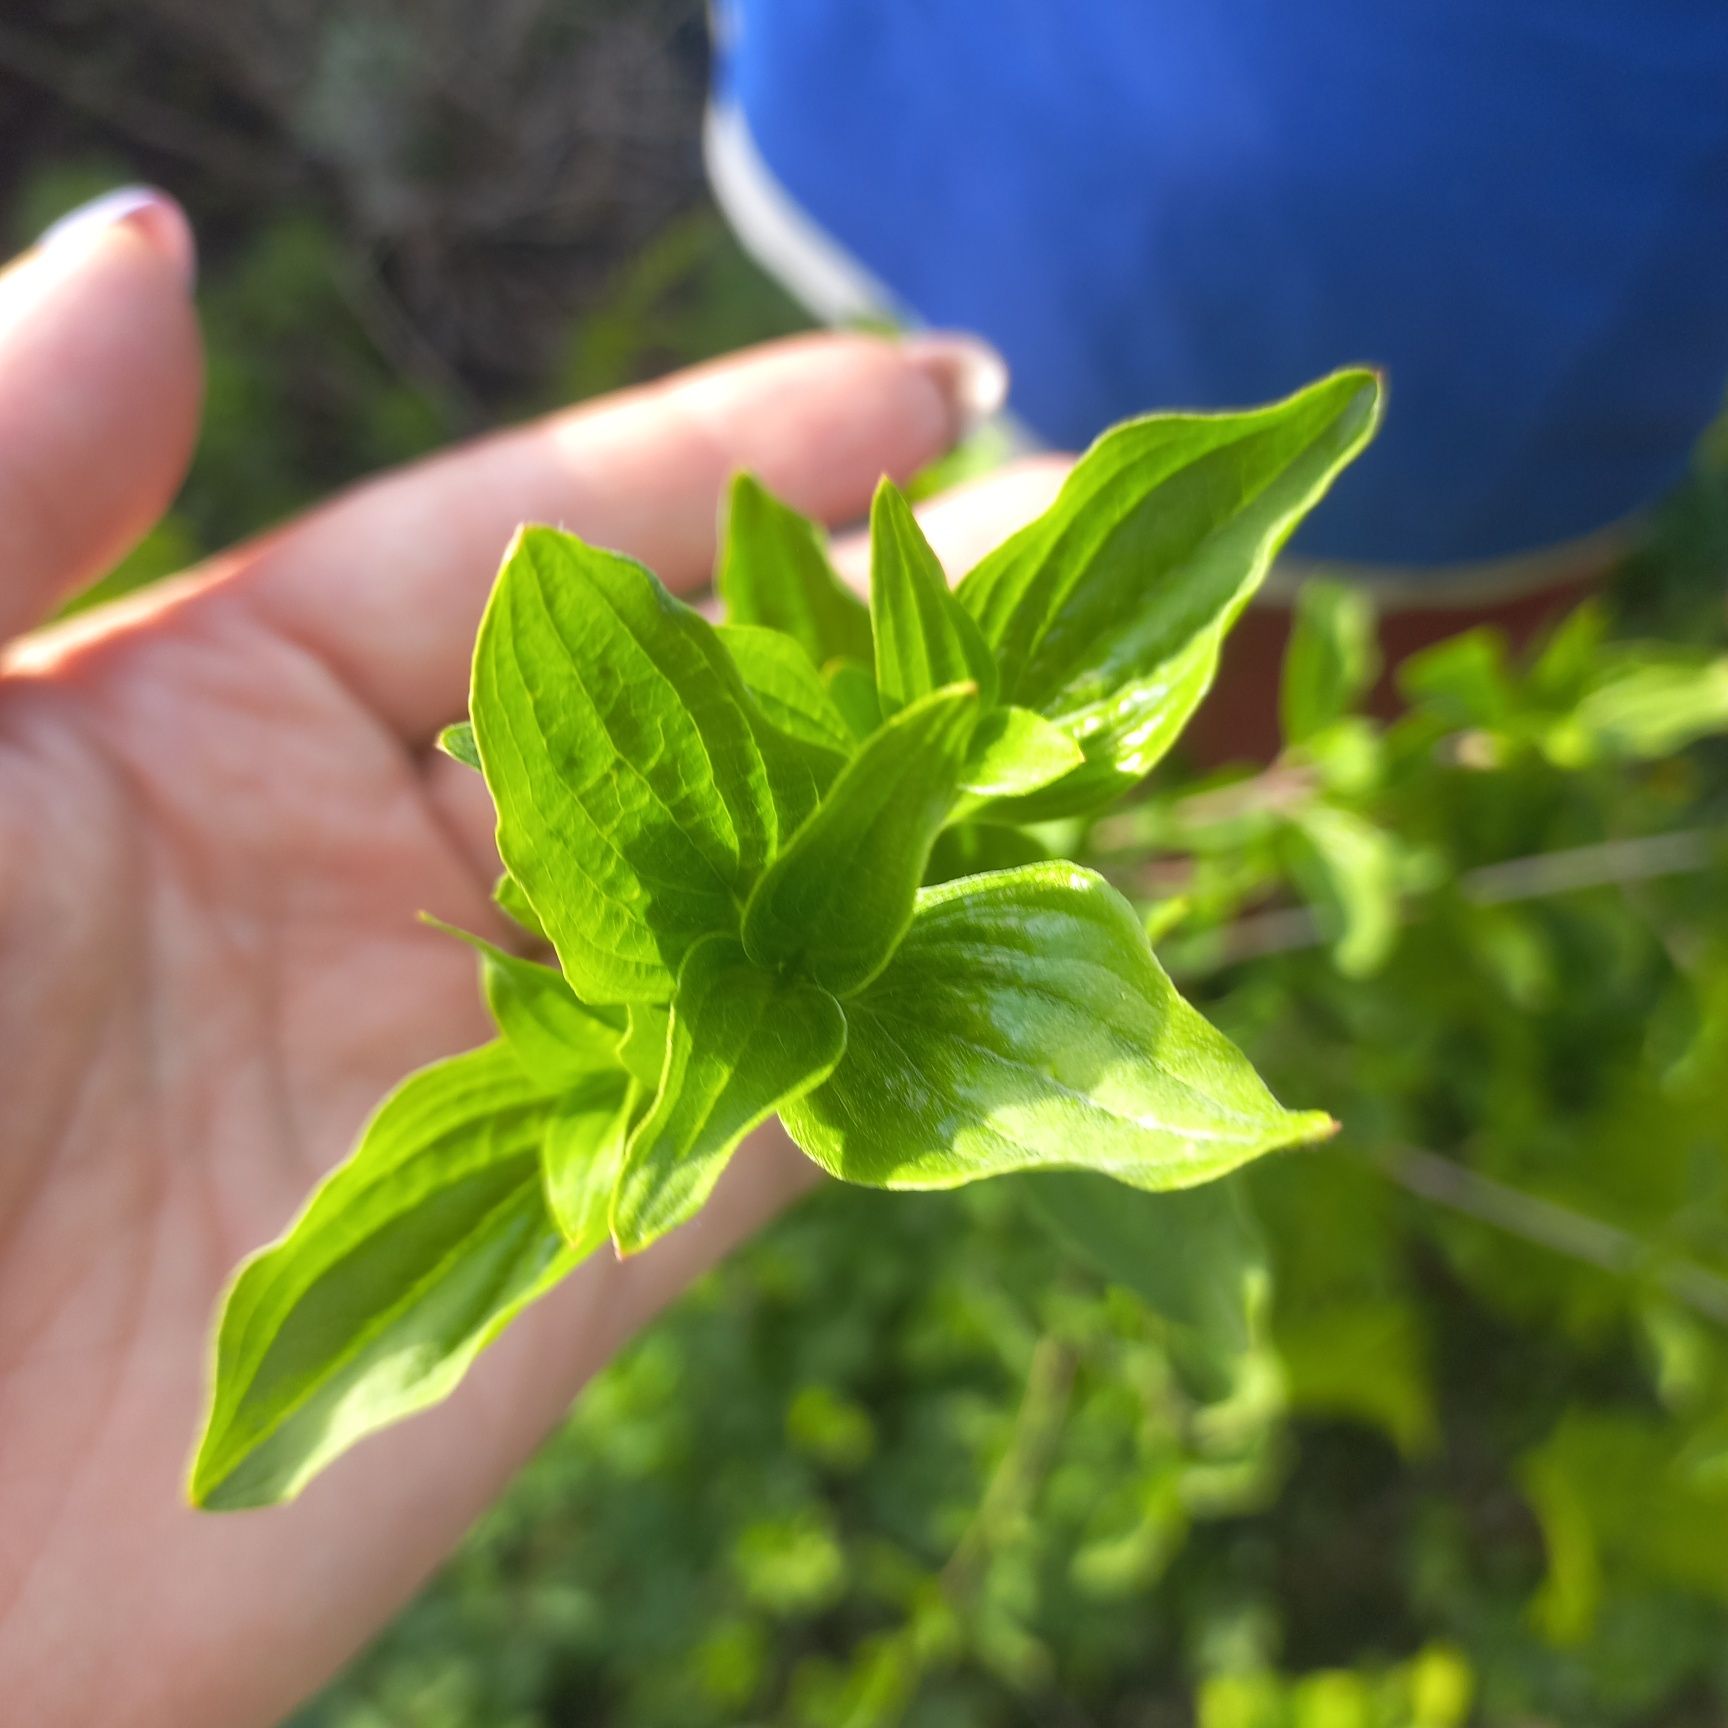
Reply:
x=1552, y=1226
x=1037, y=1425
x=1609, y=863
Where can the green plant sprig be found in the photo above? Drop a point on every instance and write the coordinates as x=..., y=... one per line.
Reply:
x=725, y=836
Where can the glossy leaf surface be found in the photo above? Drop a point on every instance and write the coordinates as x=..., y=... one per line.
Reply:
x=637, y=804
x=840, y=896
x=1022, y=1023
x=583, y=1152
x=925, y=639
x=742, y=1044
x=559, y=1039
x=774, y=571
x=407, y=1260
x=1106, y=613
x=786, y=686
x=1015, y=751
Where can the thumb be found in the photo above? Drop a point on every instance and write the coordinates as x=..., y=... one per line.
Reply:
x=101, y=373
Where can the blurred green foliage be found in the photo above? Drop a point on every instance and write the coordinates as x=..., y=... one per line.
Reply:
x=910, y=1461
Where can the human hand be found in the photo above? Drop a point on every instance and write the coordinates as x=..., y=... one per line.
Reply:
x=219, y=814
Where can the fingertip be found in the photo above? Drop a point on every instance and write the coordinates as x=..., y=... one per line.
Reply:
x=969, y=373
x=143, y=211
x=959, y=380
x=101, y=382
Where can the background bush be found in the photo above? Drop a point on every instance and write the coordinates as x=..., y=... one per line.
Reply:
x=908, y=1461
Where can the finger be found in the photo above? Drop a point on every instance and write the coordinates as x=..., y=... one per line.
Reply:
x=387, y=584
x=962, y=526
x=970, y=520
x=100, y=380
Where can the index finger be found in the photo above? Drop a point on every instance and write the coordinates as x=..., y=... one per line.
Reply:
x=387, y=583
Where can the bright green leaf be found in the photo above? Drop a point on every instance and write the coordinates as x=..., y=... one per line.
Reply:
x=408, y=1259
x=1015, y=751
x=1621, y=1503
x=1465, y=680
x=637, y=797
x=1023, y=1023
x=743, y=1043
x=925, y=639
x=642, y=1049
x=1106, y=614
x=583, y=1152
x=1362, y=1359
x=1570, y=657
x=788, y=689
x=457, y=742
x=509, y=898
x=1332, y=661
x=774, y=571
x=854, y=692
x=839, y=898
x=1160, y=917
x=1652, y=703
x=560, y=1039
x=1348, y=870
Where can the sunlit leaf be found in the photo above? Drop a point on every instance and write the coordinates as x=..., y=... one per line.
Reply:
x=637, y=802
x=773, y=571
x=840, y=896
x=408, y=1259
x=1015, y=751
x=1107, y=612
x=925, y=639
x=743, y=1043
x=583, y=1152
x=1024, y=1024
x=789, y=690
x=560, y=1039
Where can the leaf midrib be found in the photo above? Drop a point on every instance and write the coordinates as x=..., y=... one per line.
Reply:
x=620, y=757
x=256, y=1434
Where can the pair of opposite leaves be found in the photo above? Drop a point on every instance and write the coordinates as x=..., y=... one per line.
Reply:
x=722, y=834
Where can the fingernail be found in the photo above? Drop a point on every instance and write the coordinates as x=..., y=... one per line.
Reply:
x=152, y=215
x=966, y=369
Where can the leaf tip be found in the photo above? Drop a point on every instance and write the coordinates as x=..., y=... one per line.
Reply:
x=517, y=541
x=196, y=1487
x=210, y=1484
x=457, y=742
x=1367, y=383
x=887, y=495
x=627, y=1234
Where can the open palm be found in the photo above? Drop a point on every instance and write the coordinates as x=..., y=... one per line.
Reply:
x=218, y=817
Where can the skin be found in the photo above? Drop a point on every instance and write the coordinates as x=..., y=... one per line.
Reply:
x=219, y=815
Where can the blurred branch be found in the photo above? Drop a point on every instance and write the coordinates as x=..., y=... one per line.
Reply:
x=1554, y=1227
x=404, y=346
x=1031, y=1442
x=1612, y=863
x=1608, y=864
x=214, y=149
